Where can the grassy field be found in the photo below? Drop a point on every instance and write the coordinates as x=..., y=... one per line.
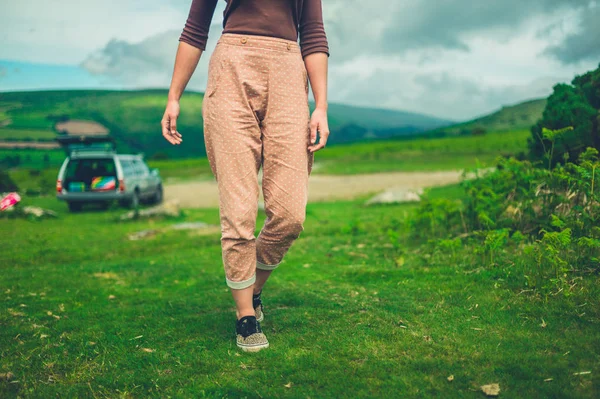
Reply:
x=420, y=154
x=26, y=134
x=371, y=157
x=352, y=312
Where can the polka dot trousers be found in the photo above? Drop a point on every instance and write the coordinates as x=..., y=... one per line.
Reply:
x=256, y=114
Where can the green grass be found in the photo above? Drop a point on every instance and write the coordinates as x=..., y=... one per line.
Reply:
x=26, y=134
x=345, y=318
x=420, y=154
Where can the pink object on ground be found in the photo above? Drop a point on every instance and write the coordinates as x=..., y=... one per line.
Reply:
x=9, y=200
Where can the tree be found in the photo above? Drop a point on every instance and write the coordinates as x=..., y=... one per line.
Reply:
x=576, y=105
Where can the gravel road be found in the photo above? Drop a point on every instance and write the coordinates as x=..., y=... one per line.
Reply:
x=204, y=194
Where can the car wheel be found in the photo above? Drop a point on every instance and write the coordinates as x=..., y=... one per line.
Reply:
x=158, y=196
x=74, y=206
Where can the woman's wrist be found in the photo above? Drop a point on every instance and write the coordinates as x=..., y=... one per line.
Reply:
x=321, y=106
x=173, y=97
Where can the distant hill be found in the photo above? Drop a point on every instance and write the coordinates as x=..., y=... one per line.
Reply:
x=509, y=118
x=352, y=124
x=133, y=118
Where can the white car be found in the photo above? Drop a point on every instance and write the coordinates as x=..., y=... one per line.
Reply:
x=94, y=173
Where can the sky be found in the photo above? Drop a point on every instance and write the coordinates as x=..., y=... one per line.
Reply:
x=455, y=59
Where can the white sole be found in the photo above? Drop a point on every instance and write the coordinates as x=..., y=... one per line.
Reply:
x=254, y=348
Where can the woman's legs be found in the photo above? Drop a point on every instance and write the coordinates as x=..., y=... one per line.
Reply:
x=243, y=302
x=256, y=112
x=261, y=278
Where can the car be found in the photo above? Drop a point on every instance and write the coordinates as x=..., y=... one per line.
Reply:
x=93, y=172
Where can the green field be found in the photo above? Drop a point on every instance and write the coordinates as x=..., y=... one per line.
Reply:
x=26, y=134
x=421, y=153
x=427, y=154
x=361, y=306
x=350, y=313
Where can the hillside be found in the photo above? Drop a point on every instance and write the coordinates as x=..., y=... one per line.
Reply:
x=509, y=118
x=133, y=117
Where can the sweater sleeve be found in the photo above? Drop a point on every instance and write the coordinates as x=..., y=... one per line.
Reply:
x=195, y=31
x=312, y=32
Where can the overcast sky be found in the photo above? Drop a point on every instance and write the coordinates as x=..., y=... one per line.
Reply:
x=450, y=58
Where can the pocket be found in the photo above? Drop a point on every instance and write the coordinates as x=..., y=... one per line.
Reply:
x=305, y=77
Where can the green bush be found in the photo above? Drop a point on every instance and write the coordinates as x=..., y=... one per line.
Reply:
x=6, y=183
x=543, y=221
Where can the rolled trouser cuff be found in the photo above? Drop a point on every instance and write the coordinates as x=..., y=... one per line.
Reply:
x=240, y=285
x=262, y=266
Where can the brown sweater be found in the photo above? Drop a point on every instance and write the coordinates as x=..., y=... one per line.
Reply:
x=285, y=19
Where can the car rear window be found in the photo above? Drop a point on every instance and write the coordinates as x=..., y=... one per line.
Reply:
x=91, y=174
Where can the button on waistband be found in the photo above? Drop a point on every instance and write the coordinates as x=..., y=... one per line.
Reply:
x=289, y=46
x=244, y=40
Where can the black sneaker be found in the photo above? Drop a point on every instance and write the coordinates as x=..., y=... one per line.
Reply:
x=258, y=306
x=249, y=334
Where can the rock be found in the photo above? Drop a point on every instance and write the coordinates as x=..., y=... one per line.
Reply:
x=190, y=226
x=39, y=212
x=491, y=389
x=143, y=234
x=395, y=195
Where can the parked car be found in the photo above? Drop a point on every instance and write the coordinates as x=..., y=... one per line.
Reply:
x=93, y=172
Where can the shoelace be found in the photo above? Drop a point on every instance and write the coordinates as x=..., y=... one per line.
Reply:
x=248, y=326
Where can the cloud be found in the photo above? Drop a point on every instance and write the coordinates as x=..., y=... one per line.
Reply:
x=394, y=27
x=451, y=58
x=148, y=63
x=585, y=43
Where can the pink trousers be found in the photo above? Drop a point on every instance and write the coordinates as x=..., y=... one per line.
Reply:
x=256, y=113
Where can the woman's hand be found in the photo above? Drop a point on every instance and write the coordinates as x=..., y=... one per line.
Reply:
x=169, y=123
x=186, y=61
x=318, y=122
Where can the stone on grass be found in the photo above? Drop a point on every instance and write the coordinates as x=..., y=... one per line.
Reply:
x=38, y=212
x=143, y=234
x=190, y=226
x=395, y=195
x=491, y=389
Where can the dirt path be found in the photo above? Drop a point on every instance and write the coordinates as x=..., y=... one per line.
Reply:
x=204, y=194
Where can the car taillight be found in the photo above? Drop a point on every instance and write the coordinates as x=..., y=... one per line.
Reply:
x=58, y=186
x=121, y=186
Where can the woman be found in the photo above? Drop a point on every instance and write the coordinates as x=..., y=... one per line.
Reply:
x=255, y=111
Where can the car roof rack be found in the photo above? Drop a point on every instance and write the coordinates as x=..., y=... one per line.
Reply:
x=93, y=143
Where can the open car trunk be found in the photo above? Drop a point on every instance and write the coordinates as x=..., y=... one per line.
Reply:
x=91, y=175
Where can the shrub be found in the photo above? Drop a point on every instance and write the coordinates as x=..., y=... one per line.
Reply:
x=6, y=183
x=552, y=215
